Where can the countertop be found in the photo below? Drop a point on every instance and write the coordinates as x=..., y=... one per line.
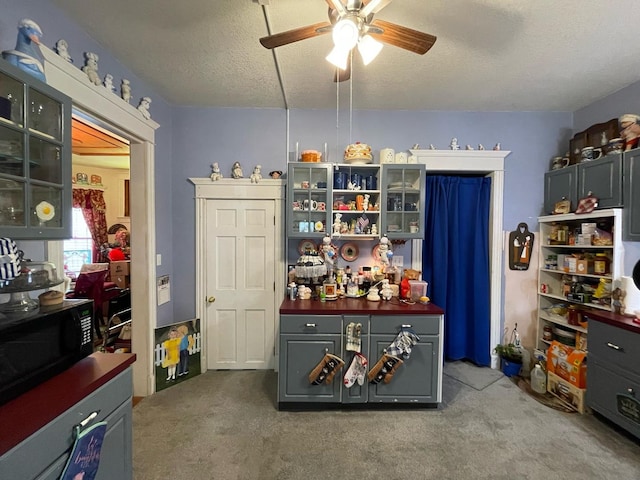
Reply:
x=26, y=414
x=357, y=306
x=625, y=322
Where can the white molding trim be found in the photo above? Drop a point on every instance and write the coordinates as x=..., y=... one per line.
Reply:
x=125, y=120
x=489, y=163
x=229, y=189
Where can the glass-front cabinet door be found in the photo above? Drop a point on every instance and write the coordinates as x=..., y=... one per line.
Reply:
x=35, y=158
x=403, y=200
x=308, y=199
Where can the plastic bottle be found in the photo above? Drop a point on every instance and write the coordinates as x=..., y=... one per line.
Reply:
x=538, y=379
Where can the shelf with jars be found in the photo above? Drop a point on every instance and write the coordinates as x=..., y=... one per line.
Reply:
x=580, y=264
x=355, y=205
x=35, y=158
x=403, y=200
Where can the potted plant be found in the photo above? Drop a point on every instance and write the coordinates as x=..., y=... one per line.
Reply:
x=511, y=356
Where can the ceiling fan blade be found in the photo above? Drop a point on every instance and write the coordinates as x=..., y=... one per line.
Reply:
x=338, y=6
x=403, y=37
x=295, y=35
x=343, y=75
x=373, y=6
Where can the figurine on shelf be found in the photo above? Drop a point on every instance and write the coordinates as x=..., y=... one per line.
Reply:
x=497, y=146
x=125, y=90
x=236, y=171
x=27, y=55
x=432, y=146
x=468, y=147
x=386, y=292
x=62, y=49
x=256, y=176
x=215, y=172
x=337, y=224
x=108, y=83
x=143, y=107
x=91, y=67
x=365, y=202
x=374, y=229
x=480, y=146
x=454, y=144
x=629, y=125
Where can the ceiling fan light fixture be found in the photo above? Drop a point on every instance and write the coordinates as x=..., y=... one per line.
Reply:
x=345, y=34
x=369, y=48
x=339, y=57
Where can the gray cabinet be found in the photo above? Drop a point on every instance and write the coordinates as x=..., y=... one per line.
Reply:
x=417, y=379
x=304, y=339
x=560, y=185
x=44, y=454
x=35, y=158
x=614, y=374
x=631, y=188
x=602, y=178
x=403, y=198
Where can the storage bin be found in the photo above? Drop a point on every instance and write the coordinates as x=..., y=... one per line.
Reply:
x=417, y=289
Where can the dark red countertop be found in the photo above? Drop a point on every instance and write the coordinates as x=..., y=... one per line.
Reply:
x=625, y=322
x=26, y=414
x=359, y=306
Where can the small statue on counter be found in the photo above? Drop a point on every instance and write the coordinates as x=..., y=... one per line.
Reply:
x=236, y=171
x=215, y=172
x=328, y=253
x=386, y=292
x=256, y=176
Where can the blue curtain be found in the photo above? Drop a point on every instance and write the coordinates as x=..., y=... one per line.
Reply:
x=455, y=262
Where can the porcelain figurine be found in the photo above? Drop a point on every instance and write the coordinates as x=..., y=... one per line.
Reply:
x=468, y=147
x=328, y=253
x=386, y=292
x=454, y=144
x=384, y=251
x=337, y=224
x=27, y=55
x=215, y=172
x=91, y=67
x=143, y=107
x=236, y=171
x=256, y=176
x=108, y=83
x=125, y=90
x=480, y=146
x=62, y=49
x=629, y=125
x=365, y=202
x=432, y=146
x=497, y=146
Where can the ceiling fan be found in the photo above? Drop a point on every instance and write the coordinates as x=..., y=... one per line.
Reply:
x=352, y=24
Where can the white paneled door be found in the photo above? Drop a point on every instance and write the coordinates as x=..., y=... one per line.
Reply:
x=239, y=275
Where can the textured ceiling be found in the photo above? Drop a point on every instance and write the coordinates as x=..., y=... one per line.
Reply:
x=491, y=55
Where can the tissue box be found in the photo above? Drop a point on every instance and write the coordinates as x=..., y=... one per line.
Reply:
x=417, y=289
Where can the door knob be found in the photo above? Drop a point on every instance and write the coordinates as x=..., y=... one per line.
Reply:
x=211, y=299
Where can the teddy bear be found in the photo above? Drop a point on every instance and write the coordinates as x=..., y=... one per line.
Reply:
x=405, y=286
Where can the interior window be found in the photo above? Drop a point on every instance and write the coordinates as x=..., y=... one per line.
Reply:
x=77, y=250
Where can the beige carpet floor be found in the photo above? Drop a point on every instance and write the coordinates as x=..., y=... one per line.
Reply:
x=225, y=425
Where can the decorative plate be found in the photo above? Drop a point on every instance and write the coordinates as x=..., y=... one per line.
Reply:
x=306, y=245
x=349, y=251
x=375, y=254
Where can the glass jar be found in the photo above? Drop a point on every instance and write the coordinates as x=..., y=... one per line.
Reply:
x=547, y=333
x=601, y=264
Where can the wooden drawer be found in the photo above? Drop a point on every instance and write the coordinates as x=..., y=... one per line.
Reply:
x=615, y=345
x=311, y=324
x=603, y=392
x=421, y=324
x=34, y=454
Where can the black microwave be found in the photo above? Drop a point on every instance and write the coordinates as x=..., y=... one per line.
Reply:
x=37, y=345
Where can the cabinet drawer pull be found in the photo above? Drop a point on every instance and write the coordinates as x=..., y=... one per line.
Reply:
x=406, y=326
x=615, y=347
x=87, y=421
x=631, y=392
x=310, y=325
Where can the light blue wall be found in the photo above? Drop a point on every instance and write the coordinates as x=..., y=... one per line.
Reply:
x=626, y=100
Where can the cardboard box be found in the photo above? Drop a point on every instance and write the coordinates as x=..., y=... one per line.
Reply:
x=122, y=281
x=584, y=267
x=120, y=268
x=570, y=395
x=567, y=363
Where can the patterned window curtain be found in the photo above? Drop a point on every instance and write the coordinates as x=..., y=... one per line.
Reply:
x=93, y=209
